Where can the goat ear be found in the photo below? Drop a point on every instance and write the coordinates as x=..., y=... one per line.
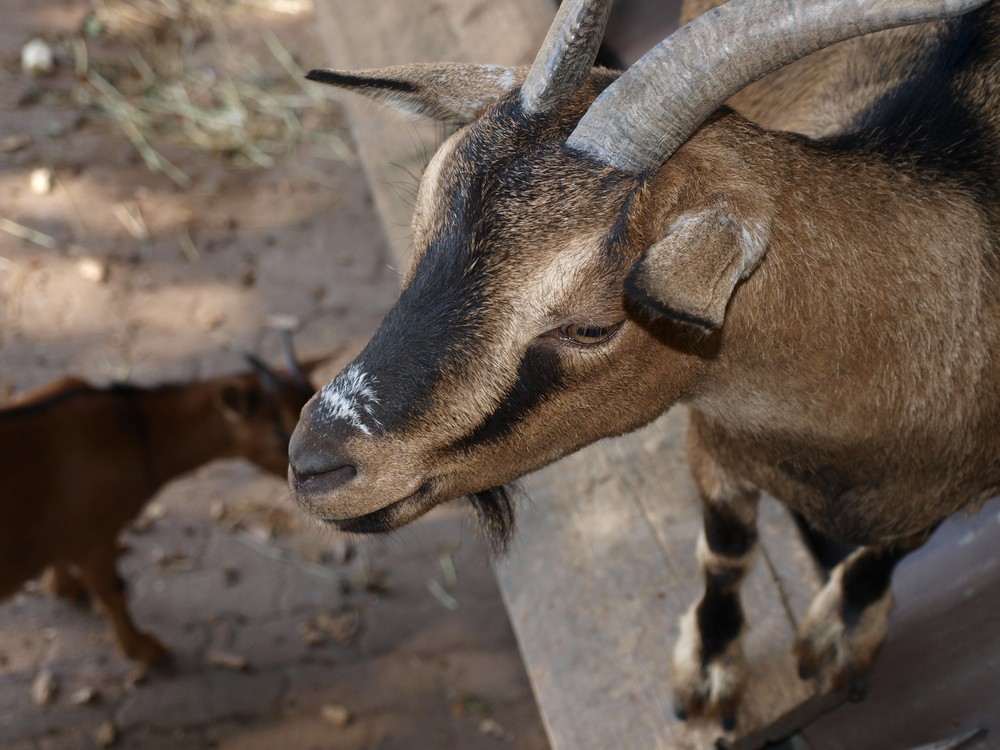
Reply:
x=268, y=377
x=691, y=273
x=454, y=93
x=237, y=401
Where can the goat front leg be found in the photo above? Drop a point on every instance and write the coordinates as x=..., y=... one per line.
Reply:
x=847, y=622
x=708, y=666
x=100, y=576
x=59, y=580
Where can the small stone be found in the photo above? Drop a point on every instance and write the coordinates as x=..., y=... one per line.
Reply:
x=41, y=180
x=43, y=689
x=106, y=734
x=336, y=715
x=136, y=676
x=209, y=320
x=93, y=270
x=37, y=58
x=231, y=575
x=226, y=660
x=341, y=551
x=283, y=322
x=492, y=728
x=342, y=628
x=13, y=143
x=84, y=695
x=312, y=637
x=155, y=511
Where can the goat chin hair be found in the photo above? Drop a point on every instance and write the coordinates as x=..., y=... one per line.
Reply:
x=495, y=512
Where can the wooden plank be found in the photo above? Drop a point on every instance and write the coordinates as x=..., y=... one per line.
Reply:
x=604, y=565
x=365, y=34
x=938, y=675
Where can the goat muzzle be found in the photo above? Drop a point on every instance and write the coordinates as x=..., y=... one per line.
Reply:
x=316, y=469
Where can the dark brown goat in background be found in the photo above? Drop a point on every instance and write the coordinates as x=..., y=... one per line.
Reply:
x=79, y=462
x=816, y=274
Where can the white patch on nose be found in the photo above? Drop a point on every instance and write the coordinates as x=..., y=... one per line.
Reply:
x=350, y=396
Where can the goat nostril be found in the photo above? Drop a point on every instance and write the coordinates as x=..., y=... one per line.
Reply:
x=324, y=479
x=319, y=465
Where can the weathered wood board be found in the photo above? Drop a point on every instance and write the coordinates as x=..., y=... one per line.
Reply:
x=364, y=34
x=603, y=566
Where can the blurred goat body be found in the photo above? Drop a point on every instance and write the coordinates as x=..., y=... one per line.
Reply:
x=814, y=269
x=80, y=462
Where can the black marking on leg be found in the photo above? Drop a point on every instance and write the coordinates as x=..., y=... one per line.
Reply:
x=859, y=686
x=679, y=711
x=720, y=619
x=727, y=535
x=866, y=579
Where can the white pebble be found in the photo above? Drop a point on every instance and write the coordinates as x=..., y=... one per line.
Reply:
x=91, y=269
x=36, y=58
x=41, y=180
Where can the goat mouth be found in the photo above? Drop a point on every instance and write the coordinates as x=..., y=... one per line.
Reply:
x=494, y=509
x=388, y=517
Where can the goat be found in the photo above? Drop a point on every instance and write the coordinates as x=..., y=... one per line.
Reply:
x=79, y=462
x=813, y=268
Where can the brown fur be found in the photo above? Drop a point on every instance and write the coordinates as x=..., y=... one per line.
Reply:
x=80, y=462
x=838, y=353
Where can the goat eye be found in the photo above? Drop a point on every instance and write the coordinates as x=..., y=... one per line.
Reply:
x=587, y=335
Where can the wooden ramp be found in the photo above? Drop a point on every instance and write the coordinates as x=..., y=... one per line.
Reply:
x=603, y=566
x=604, y=563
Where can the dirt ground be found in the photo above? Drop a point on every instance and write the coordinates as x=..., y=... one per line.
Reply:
x=112, y=270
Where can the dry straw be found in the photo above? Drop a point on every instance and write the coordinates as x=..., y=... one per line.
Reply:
x=152, y=78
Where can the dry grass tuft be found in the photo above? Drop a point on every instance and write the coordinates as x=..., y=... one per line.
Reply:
x=167, y=72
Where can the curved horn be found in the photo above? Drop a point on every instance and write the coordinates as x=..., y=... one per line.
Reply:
x=292, y=361
x=567, y=54
x=642, y=118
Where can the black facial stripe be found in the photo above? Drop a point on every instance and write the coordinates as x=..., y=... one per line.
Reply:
x=866, y=580
x=344, y=79
x=617, y=237
x=430, y=332
x=538, y=375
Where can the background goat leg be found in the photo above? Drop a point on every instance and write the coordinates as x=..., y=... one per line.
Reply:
x=708, y=667
x=60, y=581
x=101, y=578
x=847, y=622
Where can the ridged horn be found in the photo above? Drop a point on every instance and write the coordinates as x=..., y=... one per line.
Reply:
x=567, y=55
x=642, y=118
x=291, y=360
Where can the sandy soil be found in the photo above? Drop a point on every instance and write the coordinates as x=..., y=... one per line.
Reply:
x=125, y=274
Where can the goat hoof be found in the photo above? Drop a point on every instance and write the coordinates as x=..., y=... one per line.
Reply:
x=148, y=652
x=711, y=687
x=679, y=711
x=858, y=687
